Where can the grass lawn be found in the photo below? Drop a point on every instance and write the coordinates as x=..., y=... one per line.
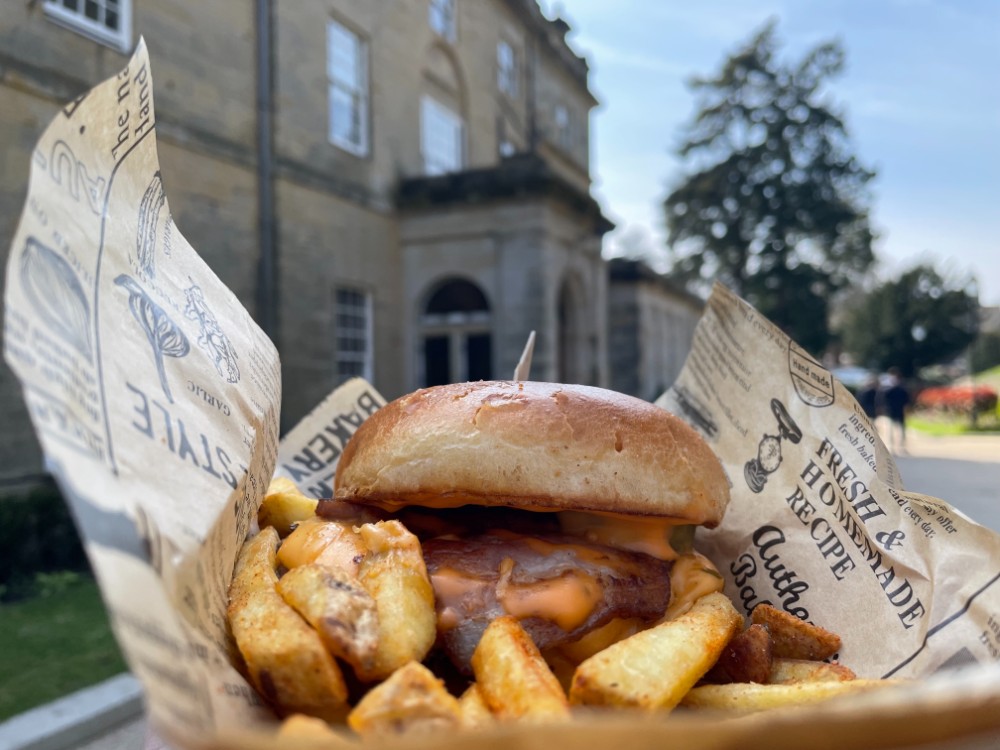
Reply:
x=941, y=424
x=55, y=644
x=938, y=427
x=988, y=377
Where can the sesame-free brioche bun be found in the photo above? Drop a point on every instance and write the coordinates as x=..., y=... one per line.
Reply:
x=535, y=446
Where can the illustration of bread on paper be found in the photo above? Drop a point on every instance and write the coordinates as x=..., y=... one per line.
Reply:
x=165, y=338
x=57, y=295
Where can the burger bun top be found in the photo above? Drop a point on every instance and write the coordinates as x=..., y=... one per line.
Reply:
x=534, y=446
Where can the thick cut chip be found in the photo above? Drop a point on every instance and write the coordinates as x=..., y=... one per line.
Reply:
x=654, y=668
x=340, y=610
x=393, y=572
x=746, y=658
x=411, y=700
x=599, y=639
x=785, y=671
x=302, y=727
x=794, y=638
x=513, y=678
x=284, y=506
x=563, y=660
x=285, y=658
x=475, y=712
x=743, y=697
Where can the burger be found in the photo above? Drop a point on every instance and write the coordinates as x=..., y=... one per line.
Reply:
x=568, y=507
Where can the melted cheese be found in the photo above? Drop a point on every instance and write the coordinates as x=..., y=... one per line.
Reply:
x=307, y=541
x=567, y=600
x=451, y=588
x=546, y=548
x=636, y=533
x=692, y=576
x=323, y=542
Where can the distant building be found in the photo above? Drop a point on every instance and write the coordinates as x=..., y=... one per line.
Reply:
x=651, y=322
x=397, y=190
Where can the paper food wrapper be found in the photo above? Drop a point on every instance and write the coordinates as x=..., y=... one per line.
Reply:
x=156, y=401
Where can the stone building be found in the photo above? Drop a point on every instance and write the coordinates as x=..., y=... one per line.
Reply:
x=398, y=190
x=652, y=322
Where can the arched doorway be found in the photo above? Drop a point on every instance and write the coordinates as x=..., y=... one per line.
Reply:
x=457, y=343
x=572, y=367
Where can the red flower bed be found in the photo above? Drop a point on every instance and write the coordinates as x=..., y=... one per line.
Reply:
x=959, y=398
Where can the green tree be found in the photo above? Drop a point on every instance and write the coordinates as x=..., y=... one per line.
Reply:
x=914, y=321
x=774, y=203
x=985, y=352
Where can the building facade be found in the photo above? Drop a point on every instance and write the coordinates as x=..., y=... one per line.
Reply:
x=437, y=195
x=652, y=322
x=395, y=189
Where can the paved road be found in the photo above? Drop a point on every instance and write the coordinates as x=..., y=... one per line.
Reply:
x=128, y=736
x=963, y=471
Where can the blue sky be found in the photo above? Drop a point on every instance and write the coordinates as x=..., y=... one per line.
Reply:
x=921, y=92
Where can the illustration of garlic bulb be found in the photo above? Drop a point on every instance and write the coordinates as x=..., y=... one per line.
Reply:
x=56, y=294
x=165, y=338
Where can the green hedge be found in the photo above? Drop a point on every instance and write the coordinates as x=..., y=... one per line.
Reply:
x=37, y=535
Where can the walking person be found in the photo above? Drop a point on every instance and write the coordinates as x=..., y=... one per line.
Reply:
x=896, y=400
x=868, y=398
